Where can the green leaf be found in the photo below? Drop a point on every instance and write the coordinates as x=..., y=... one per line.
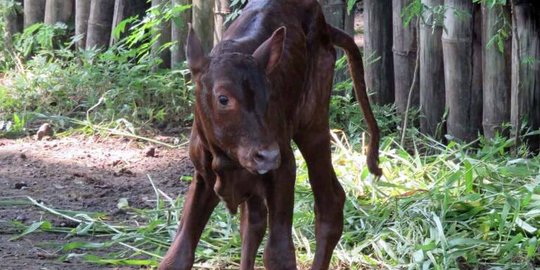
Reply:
x=121, y=27
x=532, y=248
x=468, y=176
x=83, y=245
x=467, y=242
x=512, y=243
x=45, y=225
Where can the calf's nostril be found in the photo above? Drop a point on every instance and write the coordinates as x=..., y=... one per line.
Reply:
x=266, y=156
x=259, y=157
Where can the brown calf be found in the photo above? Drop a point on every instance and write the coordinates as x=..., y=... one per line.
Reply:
x=267, y=83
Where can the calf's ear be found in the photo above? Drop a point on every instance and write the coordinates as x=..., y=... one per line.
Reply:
x=269, y=52
x=196, y=59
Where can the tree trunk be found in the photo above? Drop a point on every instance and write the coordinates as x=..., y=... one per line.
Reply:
x=164, y=32
x=82, y=13
x=432, y=92
x=497, y=81
x=15, y=20
x=405, y=53
x=203, y=22
x=99, y=23
x=221, y=10
x=378, y=50
x=34, y=12
x=462, y=70
x=526, y=68
x=58, y=11
x=179, y=34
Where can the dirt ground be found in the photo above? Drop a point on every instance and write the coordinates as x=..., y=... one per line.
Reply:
x=77, y=173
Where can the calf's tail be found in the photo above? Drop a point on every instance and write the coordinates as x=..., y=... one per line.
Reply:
x=356, y=68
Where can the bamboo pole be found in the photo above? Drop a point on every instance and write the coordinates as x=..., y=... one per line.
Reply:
x=405, y=52
x=99, y=23
x=462, y=70
x=82, y=13
x=34, y=12
x=203, y=22
x=497, y=71
x=378, y=50
x=221, y=10
x=526, y=69
x=432, y=91
x=119, y=14
x=58, y=11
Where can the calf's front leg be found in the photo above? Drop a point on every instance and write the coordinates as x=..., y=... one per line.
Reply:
x=279, y=250
x=252, y=229
x=200, y=202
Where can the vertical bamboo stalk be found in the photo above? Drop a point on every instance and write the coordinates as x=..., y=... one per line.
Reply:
x=99, y=23
x=203, y=22
x=526, y=68
x=221, y=10
x=119, y=14
x=497, y=71
x=405, y=52
x=82, y=13
x=462, y=79
x=378, y=50
x=432, y=91
x=179, y=34
x=34, y=12
x=58, y=11
x=478, y=72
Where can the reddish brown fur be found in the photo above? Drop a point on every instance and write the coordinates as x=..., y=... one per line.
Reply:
x=259, y=89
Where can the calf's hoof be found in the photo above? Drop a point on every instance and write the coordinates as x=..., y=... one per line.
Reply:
x=175, y=264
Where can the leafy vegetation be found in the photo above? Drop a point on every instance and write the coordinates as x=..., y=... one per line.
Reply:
x=47, y=77
x=436, y=207
x=444, y=210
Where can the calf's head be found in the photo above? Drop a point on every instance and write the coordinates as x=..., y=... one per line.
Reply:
x=232, y=99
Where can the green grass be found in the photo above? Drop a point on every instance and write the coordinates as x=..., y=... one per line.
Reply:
x=43, y=76
x=443, y=210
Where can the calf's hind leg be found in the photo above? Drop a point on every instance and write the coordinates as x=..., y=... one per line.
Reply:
x=328, y=193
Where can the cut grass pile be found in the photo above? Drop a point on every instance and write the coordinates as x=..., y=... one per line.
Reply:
x=436, y=207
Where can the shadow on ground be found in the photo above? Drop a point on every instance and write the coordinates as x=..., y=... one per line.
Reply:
x=80, y=174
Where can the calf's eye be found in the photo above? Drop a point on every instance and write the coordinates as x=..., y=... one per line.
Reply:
x=223, y=100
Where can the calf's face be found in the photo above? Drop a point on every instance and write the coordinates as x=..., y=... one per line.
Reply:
x=232, y=97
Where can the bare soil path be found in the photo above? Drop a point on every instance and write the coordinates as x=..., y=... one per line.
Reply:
x=82, y=174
